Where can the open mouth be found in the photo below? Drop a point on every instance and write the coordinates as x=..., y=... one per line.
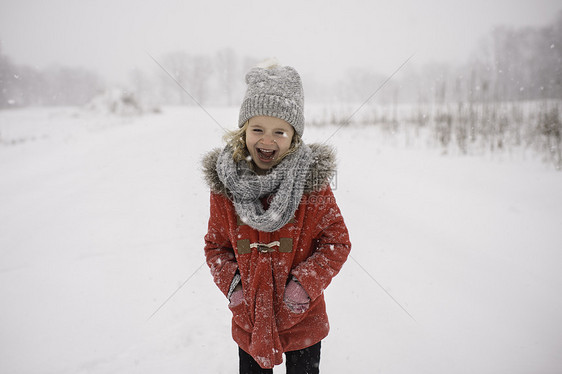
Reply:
x=266, y=155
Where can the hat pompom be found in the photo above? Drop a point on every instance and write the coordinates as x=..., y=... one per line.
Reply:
x=269, y=63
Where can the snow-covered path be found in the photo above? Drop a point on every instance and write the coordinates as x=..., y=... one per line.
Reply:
x=101, y=219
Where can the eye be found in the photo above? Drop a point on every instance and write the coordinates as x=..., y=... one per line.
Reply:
x=257, y=131
x=281, y=133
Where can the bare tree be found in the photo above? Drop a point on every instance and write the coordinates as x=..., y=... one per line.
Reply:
x=192, y=72
x=228, y=72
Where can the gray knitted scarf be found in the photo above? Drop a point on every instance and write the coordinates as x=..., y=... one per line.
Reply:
x=283, y=184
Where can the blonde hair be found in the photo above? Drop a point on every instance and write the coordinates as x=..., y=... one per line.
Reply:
x=237, y=140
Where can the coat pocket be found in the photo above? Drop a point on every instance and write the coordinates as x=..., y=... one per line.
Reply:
x=240, y=316
x=286, y=318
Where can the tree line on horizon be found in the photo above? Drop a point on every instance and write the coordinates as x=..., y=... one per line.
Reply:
x=510, y=64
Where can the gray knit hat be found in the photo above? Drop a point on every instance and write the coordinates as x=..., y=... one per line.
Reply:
x=274, y=91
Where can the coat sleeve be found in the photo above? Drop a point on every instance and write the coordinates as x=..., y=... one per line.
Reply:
x=332, y=244
x=218, y=248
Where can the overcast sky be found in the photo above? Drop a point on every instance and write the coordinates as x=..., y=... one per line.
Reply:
x=319, y=38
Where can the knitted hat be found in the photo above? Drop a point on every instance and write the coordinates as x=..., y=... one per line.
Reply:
x=274, y=91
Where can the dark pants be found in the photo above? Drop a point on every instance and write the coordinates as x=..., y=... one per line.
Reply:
x=304, y=361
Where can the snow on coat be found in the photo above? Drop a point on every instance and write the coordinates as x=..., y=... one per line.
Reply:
x=312, y=247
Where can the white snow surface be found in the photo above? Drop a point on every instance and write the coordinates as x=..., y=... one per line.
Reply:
x=102, y=219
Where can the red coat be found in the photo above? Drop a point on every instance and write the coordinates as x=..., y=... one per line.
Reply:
x=312, y=247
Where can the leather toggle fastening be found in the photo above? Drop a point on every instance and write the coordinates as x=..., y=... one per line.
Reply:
x=265, y=248
x=243, y=246
x=284, y=245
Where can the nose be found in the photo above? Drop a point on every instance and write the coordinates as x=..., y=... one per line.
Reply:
x=267, y=140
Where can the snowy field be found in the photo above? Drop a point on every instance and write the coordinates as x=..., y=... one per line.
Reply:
x=102, y=219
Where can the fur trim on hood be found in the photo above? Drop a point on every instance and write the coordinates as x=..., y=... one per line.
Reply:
x=321, y=172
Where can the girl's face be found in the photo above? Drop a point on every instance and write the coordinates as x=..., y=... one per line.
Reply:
x=267, y=139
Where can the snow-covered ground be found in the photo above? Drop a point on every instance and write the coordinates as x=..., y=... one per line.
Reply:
x=102, y=219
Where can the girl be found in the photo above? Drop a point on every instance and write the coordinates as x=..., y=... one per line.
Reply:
x=276, y=237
